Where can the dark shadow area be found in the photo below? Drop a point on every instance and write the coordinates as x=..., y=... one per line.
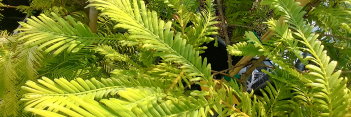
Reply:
x=11, y=15
x=218, y=56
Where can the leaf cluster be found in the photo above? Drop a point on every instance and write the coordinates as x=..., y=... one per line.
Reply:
x=143, y=62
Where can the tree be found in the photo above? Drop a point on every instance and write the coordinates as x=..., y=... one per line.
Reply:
x=140, y=64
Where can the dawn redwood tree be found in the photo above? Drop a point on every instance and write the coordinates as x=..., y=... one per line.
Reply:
x=142, y=58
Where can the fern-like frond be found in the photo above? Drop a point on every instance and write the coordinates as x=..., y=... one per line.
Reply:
x=204, y=26
x=171, y=72
x=32, y=59
x=243, y=48
x=105, y=98
x=329, y=91
x=9, y=93
x=58, y=34
x=331, y=17
x=112, y=54
x=249, y=104
x=71, y=65
x=276, y=99
x=154, y=34
x=17, y=64
x=152, y=105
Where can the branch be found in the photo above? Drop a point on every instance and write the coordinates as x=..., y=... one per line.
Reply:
x=93, y=14
x=255, y=64
x=346, y=72
x=225, y=31
x=220, y=72
x=8, y=6
x=245, y=76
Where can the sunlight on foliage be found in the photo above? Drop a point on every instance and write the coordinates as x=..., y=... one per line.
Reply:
x=142, y=62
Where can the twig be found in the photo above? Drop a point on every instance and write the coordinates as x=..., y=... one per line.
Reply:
x=179, y=77
x=254, y=66
x=219, y=72
x=226, y=70
x=8, y=6
x=238, y=66
x=235, y=109
x=222, y=71
x=346, y=72
x=224, y=30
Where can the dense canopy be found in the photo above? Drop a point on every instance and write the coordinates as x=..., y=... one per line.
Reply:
x=211, y=58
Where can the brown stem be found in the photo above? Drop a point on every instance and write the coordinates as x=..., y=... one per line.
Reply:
x=224, y=30
x=253, y=67
x=219, y=72
x=93, y=14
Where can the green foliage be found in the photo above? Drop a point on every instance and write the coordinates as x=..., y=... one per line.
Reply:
x=61, y=7
x=333, y=20
x=57, y=35
x=244, y=48
x=71, y=66
x=110, y=53
x=17, y=65
x=204, y=26
x=61, y=37
x=154, y=34
x=202, y=21
x=8, y=90
x=94, y=98
x=331, y=16
x=245, y=15
x=139, y=63
x=162, y=8
x=326, y=91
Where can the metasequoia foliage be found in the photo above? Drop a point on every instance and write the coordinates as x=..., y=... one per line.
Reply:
x=142, y=62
